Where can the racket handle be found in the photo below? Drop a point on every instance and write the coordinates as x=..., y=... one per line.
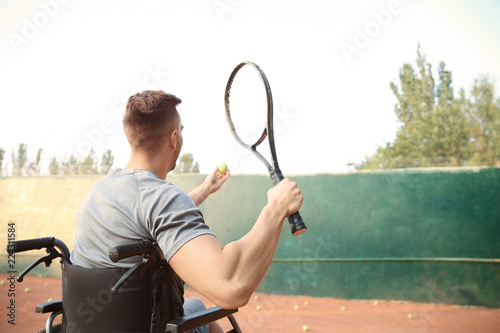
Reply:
x=297, y=226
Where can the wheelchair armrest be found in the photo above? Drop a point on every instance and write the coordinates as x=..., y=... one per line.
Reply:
x=197, y=319
x=52, y=306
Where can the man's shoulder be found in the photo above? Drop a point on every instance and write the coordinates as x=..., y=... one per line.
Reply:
x=153, y=188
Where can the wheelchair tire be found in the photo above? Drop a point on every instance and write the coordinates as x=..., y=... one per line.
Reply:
x=56, y=328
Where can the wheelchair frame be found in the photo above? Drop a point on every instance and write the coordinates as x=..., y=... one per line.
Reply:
x=55, y=248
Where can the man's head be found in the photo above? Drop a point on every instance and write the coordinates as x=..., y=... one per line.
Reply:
x=150, y=119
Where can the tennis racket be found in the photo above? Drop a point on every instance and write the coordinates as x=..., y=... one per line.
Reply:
x=296, y=224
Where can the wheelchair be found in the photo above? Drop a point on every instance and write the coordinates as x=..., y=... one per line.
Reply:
x=119, y=300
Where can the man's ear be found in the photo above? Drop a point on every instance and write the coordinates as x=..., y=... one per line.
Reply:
x=173, y=139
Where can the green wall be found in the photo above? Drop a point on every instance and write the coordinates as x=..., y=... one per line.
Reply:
x=425, y=235
x=378, y=235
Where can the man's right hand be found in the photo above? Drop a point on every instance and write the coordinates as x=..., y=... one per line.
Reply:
x=285, y=197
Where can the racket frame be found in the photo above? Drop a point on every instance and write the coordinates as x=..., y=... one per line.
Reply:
x=296, y=224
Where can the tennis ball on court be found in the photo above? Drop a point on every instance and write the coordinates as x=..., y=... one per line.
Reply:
x=256, y=297
x=342, y=308
x=46, y=284
x=26, y=290
x=305, y=328
x=296, y=307
x=49, y=300
x=222, y=168
x=409, y=315
x=375, y=303
x=258, y=308
x=306, y=303
x=2, y=282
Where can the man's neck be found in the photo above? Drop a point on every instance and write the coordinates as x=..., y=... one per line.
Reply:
x=156, y=165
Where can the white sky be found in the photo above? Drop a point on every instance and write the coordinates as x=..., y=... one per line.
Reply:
x=67, y=68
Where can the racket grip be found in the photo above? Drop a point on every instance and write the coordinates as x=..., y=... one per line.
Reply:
x=297, y=226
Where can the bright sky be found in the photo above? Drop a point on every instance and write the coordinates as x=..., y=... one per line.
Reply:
x=68, y=67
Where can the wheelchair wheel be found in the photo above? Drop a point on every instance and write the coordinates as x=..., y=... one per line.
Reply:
x=56, y=328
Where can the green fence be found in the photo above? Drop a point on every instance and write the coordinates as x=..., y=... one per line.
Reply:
x=419, y=235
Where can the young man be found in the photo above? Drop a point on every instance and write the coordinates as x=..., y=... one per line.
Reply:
x=138, y=203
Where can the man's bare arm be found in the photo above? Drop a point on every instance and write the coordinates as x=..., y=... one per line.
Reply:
x=228, y=275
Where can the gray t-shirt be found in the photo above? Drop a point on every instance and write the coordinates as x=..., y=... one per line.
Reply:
x=128, y=206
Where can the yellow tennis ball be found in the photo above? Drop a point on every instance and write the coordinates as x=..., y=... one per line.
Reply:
x=26, y=290
x=409, y=315
x=258, y=308
x=296, y=307
x=305, y=328
x=2, y=282
x=256, y=297
x=342, y=308
x=222, y=168
x=46, y=284
x=306, y=303
x=375, y=303
x=49, y=300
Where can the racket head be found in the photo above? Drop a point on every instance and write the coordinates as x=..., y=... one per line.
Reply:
x=251, y=144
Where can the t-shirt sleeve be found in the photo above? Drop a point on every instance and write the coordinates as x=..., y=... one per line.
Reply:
x=173, y=219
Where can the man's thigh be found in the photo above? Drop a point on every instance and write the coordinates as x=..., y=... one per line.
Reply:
x=192, y=305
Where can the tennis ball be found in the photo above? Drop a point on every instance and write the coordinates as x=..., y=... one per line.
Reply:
x=296, y=307
x=342, y=308
x=258, y=307
x=2, y=282
x=26, y=290
x=375, y=303
x=305, y=328
x=222, y=168
x=46, y=284
x=256, y=297
x=306, y=303
x=49, y=300
x=409, y=315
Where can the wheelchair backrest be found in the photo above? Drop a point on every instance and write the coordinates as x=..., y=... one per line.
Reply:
x=89, y=305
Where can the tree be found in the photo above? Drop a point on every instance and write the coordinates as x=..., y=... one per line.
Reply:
x=34, y=167
x=19, y=161
x=2, y=154
x=107, y=161
x=89, y=164
x=185, y=165
x=435, y=127
x=54, y=168
x=70, y=166
x=484, y=122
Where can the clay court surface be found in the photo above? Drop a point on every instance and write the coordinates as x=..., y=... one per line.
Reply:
x=278, y=313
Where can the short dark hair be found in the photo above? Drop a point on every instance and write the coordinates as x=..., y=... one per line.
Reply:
x=149, y=117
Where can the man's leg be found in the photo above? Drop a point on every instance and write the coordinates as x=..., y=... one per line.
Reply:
x=193, y=304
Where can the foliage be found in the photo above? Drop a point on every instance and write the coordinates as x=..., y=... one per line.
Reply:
x=89, y=164
x=54, y=168
x=72, y=165
x=2, y=154
x=19, y=160
x=186, y=164
x=437, y=128
x=107, y=161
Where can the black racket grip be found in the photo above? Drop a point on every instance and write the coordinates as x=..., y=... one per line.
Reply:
x=128, y=250
x=30, y=244
x=297, y=226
